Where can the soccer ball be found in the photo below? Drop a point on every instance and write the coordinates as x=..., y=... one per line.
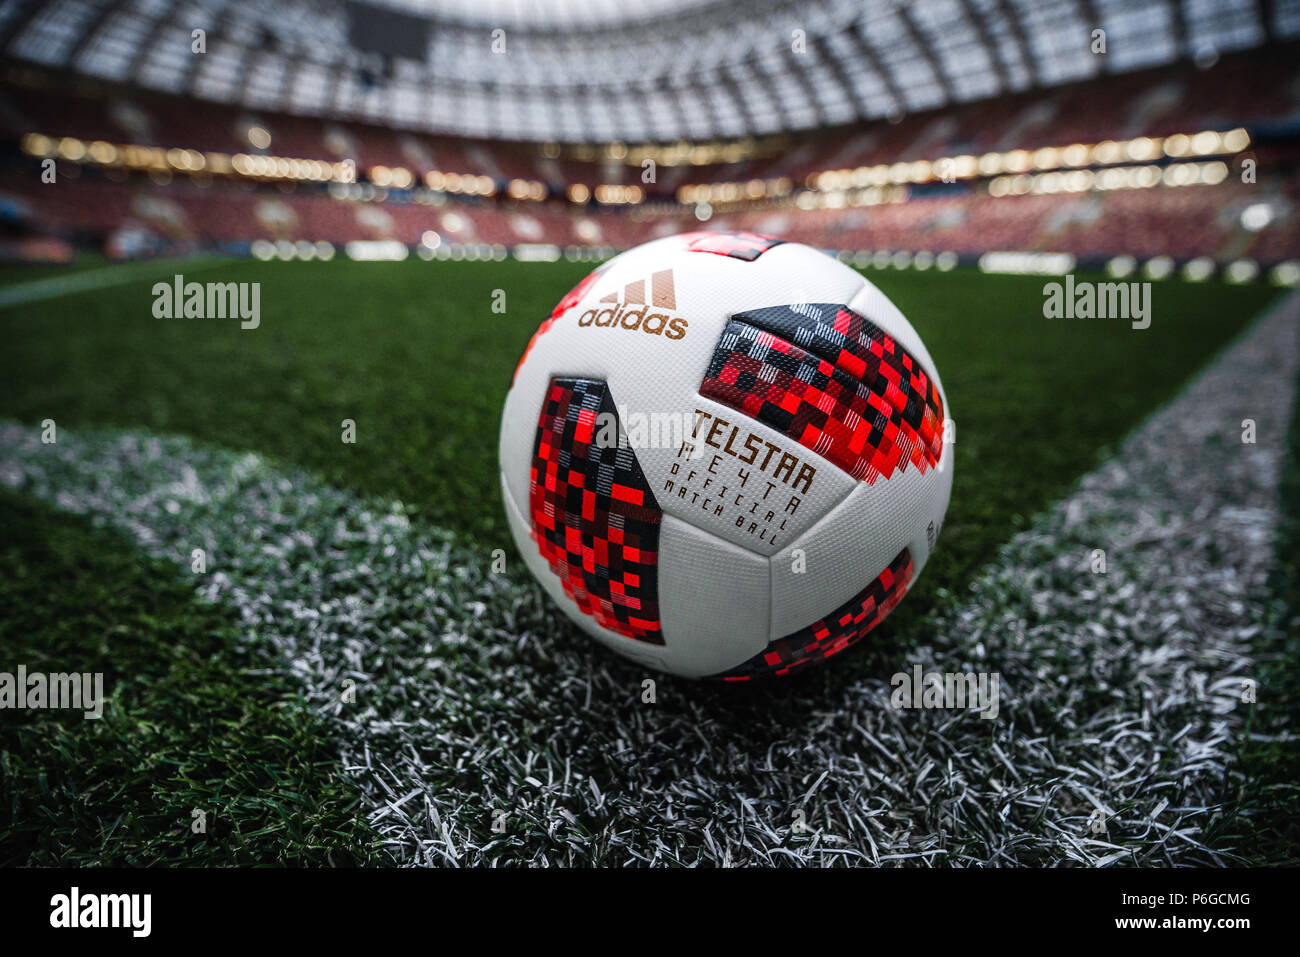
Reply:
x=723, y=455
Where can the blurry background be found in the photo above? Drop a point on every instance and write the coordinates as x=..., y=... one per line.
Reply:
x=489, y=128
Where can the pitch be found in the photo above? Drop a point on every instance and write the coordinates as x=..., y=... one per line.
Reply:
x=584, y=771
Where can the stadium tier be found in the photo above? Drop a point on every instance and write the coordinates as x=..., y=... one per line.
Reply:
x=1129, y=222
x=1107, y=167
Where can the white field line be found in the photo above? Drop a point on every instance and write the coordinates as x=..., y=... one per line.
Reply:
x=458, y=695
x=37, y=290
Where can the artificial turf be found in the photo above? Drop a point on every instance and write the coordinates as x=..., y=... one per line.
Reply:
x=11, y=272
x=195, y=720
x=414, y=353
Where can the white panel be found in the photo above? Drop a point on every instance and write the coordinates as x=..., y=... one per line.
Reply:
x=713, y=600
x=851, y=546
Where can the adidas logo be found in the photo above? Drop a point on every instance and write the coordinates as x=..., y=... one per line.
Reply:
x=632, y=311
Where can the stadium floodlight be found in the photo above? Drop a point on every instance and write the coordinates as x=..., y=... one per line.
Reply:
x=1241, y=271
x=1256, y=216
x=1286, y=273
x=1158, y=267
x=1119, y=267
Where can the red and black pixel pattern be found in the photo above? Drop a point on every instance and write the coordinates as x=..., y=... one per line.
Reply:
x=737, y=245
x=833, y=381
x=838, y=630
x=593, y=516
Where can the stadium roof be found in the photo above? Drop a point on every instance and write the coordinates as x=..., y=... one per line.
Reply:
x=622, y=70
x=569, y=14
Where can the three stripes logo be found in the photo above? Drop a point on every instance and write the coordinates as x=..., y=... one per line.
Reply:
x=629, y=309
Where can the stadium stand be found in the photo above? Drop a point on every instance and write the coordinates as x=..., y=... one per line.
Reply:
x=1064, y=158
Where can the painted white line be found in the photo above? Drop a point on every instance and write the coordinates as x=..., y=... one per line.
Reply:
x=105, y=277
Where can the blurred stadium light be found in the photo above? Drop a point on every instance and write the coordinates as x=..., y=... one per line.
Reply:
x=1100, y=128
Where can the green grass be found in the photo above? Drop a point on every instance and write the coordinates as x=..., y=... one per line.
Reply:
x=194, y=720
x=29, y=272
x=413, y=352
